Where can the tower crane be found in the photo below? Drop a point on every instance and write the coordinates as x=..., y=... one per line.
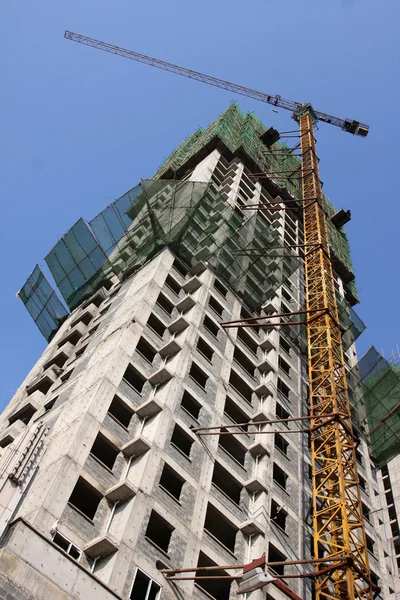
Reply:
x=342, y=570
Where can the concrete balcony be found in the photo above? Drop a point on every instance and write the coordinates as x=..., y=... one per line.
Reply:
x=192, y=284
x=199, y=268
x=186, y=303
x=27, y=409
x=101, y=546
x=44, y=381
x=61, y=356
x=255, y=485
x=170, y=348
x=262, y=415
x=271, y=340
x=73, y=335
x=266, y=386
x=265, y=366
x=136, y=447
x=271, y=306
x=178, y=325
x=86, y=316
x=161, y=376
x=149, y=408
x=260, y=447
x=121, y=492
x=11, y=433
x=251, y=528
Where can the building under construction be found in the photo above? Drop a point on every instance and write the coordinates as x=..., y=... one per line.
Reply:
x=156, y=448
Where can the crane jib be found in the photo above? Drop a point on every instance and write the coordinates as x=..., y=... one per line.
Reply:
x=349, y=125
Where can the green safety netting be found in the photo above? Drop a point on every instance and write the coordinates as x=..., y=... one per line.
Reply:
x=375, y=399
x=42, y=303
x=240, y=133
x=254, y=262
x=113, y=222
x=198, y=225
x=77, y=263
x=351, y=324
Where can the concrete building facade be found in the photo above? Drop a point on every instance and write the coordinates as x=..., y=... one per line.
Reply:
x=103, y=481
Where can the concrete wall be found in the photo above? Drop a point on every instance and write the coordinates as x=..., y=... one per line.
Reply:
x=113, y=543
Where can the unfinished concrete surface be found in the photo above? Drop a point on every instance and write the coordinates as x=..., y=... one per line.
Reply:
x=103, y=480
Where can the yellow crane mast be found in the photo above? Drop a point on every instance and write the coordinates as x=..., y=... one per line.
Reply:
x=337, y=514
x=341, y=565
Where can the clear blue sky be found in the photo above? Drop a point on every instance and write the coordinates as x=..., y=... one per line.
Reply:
x=80, y=127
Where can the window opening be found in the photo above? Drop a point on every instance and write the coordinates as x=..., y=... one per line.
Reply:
x=279, y=476
x=144, y=588
x=220, y=528
x=190, y=405
x=134, y=379
x=281, y=444
x=246, y=314
x=281, y=413
x=278, y=515
x=216, y=306
x=181, y=440
x=248, y=341
x=120, y=411
x=284, y=366
x=219, y=589
x=284, y=345
x=235, y=414
x=171, y=481
x=212, y=327
x=156, y=325
x=81, y=350
x=283, y=388
x=220, y=288
x=84, y=318
x=226, y=483
x=66, y=545
x=173, y=285
x=73, y=338
x=240, y=386
x=165, y=304
x=366, y=512
x=104, y=451
x=198, y=375
x=146, y=350
x=66, y=375
x=85, y=498
x=159, y=531
x=274, y=555
x=49, y=405
x=178, y=266
x=244, y=362
x=23, y=415
x=233, y=447
x=205, y=349
x=370, y=543
x=363, y=483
